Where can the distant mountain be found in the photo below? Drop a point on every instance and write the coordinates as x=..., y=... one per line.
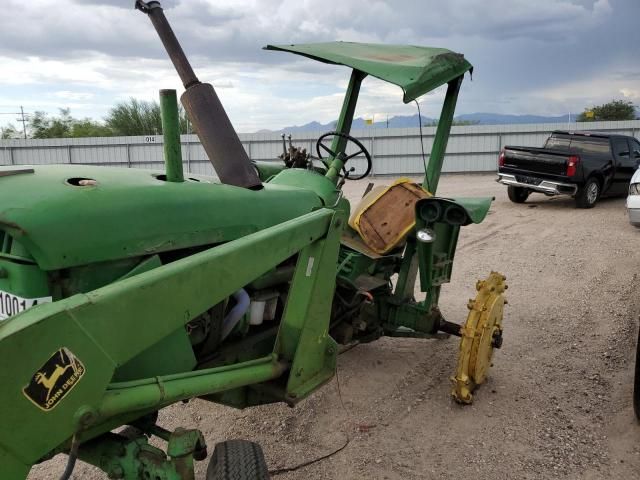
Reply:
x=409, y=121
x=400, y=121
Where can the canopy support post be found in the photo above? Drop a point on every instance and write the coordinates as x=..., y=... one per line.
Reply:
x=434, y=166
x=345, y=120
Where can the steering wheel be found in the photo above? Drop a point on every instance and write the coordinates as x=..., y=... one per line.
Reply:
x=344, y=158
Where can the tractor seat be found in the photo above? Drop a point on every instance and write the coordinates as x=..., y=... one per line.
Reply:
x=384, y=217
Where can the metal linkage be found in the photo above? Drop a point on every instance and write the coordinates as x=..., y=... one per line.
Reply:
x=124, y=458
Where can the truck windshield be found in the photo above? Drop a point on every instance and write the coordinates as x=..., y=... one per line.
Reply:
x=557, y=143
x=599, y=146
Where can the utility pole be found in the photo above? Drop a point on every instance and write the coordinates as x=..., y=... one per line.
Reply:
x=23, y=119
x=24, y=122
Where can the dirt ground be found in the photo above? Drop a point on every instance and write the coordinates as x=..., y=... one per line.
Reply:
x=558, y=401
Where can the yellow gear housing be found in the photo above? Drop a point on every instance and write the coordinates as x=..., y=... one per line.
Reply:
x=480, y=334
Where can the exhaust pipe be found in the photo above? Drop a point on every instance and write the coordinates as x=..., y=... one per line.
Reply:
x=211, y=123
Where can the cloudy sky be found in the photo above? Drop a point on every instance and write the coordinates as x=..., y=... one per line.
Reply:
x=546, y=57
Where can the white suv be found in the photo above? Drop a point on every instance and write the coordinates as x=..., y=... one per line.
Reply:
x=633, y=200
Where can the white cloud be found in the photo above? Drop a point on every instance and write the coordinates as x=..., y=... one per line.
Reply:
x=630, y=93
x=69, y=95
x=584, y=92
x=531, y=57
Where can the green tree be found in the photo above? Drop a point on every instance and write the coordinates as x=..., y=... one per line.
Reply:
x=139, y=117
x=614, y=110
x=9, y=132
x=41, y=125
x=64, y=125
x=90, y=128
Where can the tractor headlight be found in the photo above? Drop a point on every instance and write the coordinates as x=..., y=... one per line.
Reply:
x=426, y=235
x=430, y=212
x=634, y=189
x=455, y=215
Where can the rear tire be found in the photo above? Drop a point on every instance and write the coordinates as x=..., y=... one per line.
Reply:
x=237, y=460
x=588, y=195
x=517, y=194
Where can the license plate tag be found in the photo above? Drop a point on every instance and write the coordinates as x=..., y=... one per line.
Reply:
x=11, y=304
x=529, y=180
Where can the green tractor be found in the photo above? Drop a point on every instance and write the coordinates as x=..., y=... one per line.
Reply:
x=124, y=291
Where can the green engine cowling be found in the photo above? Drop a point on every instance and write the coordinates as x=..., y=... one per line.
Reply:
x=84, y=227
x=129, y=248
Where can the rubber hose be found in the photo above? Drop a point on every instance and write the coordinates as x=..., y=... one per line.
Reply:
x=236, y=313
x=71, y=461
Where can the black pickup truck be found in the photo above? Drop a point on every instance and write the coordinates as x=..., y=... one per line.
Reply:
x=584, y=165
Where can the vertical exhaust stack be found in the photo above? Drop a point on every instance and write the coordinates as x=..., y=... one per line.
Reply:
x=171, y=134
x=219, y=139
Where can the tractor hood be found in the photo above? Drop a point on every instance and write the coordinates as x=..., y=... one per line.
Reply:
x=67, y=215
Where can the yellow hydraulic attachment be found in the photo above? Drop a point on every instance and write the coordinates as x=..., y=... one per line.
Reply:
x=480, y=334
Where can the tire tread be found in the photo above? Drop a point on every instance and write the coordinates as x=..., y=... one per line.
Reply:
x=517, y=194
x=237, y=460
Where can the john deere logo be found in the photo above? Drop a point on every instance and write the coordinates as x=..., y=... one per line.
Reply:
x=55, y=379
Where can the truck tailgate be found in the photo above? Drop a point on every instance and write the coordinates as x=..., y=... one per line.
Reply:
x=538, y=160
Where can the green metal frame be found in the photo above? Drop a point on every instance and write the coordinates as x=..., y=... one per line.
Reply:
x=436, y=159
x=85, y=324
x=433, y=166
x=345, y=120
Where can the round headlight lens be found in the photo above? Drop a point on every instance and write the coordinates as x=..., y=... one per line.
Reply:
x=455, y=215
x=426, y=235
x=430, y=212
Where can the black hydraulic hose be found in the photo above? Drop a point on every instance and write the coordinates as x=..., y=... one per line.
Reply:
x=71, y=460
x=354, y=301
x=350, y=308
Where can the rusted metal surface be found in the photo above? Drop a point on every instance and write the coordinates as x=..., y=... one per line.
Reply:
x=210, y=121
x=170, y=42
x=8, y=173
x=219, y=139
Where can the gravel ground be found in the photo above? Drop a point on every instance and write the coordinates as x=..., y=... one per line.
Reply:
x=558, y=401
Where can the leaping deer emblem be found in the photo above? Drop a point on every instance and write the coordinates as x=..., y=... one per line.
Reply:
x=49, y=382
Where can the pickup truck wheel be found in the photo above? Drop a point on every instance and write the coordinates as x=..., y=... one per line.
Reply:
x=517, y=194
x=588, y=195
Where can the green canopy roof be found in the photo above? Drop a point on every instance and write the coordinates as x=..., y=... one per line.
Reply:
x=417, y=70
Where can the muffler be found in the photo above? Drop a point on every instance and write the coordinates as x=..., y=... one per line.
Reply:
x=210, y=121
